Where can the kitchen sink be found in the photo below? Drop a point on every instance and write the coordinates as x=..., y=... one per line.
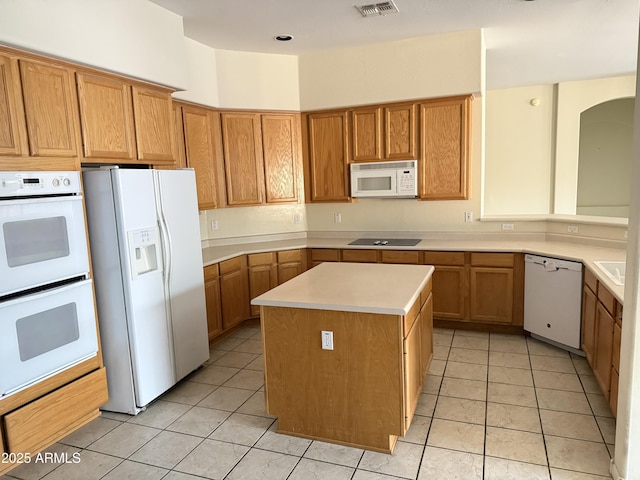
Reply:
x=614, y=270
x=391, y=242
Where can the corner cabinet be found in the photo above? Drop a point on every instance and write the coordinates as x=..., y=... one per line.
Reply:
x=444, y=164
x=328, y=153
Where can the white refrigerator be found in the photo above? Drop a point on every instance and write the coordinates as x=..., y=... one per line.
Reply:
x=147, y=263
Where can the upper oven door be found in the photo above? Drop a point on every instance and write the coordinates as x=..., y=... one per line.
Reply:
x=42, y=240
x=44, y=333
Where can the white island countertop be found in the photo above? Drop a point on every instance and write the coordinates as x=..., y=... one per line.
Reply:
x=352, y=287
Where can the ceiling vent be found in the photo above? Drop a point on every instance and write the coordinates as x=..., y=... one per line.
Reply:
x=373, y=9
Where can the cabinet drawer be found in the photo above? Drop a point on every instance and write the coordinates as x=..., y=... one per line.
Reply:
x=607, y=299
x=231, y=265
x=267, y=258
x=444, y=258
x=286, y=256
x=40, y=423
x=400, y=256
x=325, y=255
x=424, y=294
x=492, y=259
x=409, y=319
x=211, y=271
x=590, y=280
x=359, y=256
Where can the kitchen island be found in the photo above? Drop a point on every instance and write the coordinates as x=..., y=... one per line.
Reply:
x=346, y=350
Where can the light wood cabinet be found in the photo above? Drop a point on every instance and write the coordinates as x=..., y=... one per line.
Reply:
x=179, y=153
x=328, y=153
x=400, y=132
x=263, y=276
x=291, y=263
x=213, y=301
x=444, y=142
x=50, y=108
x=106, y=117
x=13, y=136
x=360, y=256
x=604, y=349
x=413, y=377
x=234, y=291
x=154, y=124
x=281, y=151
x=401, y=256
x=242, y=144
x=366, y=129
x=200, y=131
x=449, y=284
x=491, y=294
x=588, y=337
x=319, y=255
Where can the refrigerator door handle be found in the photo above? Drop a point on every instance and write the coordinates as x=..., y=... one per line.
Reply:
x=167, y=254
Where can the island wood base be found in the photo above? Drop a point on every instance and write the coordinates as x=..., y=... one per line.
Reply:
x=363, y=393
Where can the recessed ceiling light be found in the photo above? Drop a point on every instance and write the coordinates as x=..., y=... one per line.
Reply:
x=283, y=38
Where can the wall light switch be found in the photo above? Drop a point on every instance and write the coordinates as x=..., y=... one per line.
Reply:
x=337, y=218
x=327, y=340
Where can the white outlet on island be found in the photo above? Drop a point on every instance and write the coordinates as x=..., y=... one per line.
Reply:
x=327, y=340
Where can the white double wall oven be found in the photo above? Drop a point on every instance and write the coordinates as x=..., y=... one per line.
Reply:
x=47, y=314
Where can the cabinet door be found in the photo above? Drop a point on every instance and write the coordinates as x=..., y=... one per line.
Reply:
x=328, y=157
x=449, y=288
x=589, y=302
x=213, y=301
x=426, y=323
x=106, y=117
x=154, y=124
x=243, y=158
x=400, y=135
x=234, y=292
x=366, y=125
x=412, y=371
x=200, y=153
x=50, y=109
x=263, y=276
x=491, y=294
x=604, y=348
x=444, y=143
x=13, y=136
x=280, y=141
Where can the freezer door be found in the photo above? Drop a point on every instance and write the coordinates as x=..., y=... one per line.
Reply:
x=184, y=280
x=148, y=327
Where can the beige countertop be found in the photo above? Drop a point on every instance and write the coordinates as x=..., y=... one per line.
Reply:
x=352, y=287
x=586, y=254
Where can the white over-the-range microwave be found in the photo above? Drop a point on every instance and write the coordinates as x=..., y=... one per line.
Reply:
x=397, y=179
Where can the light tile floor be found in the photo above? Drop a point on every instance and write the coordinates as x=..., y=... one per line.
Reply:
x=493, y=407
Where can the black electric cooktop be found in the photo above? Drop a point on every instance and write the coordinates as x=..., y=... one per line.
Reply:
x=391, y=242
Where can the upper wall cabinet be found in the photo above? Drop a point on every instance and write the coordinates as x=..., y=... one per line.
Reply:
x=154, y=124
x=400, y=132
x=199, y=132
x=13, y=138
x=281, y=150
x=50, y=108
x=328, y=152
x=444, y=158
x=106, y=118
x=242, y=143
x=384, y=133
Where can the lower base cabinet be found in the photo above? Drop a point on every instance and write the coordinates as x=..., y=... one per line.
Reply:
x=213, y=301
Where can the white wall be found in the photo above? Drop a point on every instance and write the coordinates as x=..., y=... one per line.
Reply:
x=133, y=37
x=431, y=66
x=202, y=74
x=257, y=80
x=519, y=150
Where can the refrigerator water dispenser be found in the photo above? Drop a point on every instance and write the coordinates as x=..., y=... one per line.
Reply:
x=144, y=251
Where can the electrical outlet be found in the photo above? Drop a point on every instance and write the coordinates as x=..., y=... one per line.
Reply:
x=337, y=218
x=507, y=227
x=327, y=340
x=468, y=216
x=296, y=218
x=572, y=229
x=214, y=224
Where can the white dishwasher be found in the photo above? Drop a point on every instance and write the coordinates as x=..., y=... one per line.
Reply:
x=553, y=299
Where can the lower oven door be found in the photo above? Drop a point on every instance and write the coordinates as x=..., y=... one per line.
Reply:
x=44, y=333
